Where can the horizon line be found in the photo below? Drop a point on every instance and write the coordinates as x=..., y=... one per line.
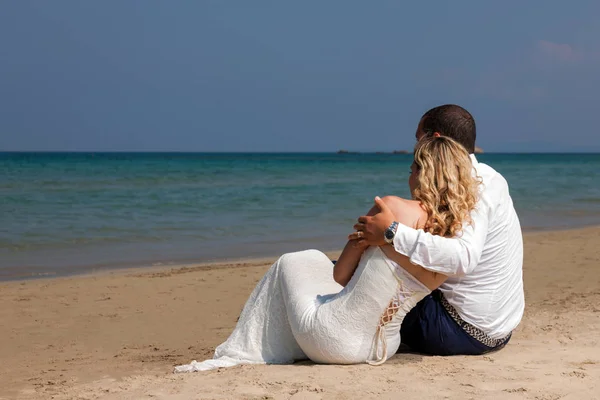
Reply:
x=340, y=152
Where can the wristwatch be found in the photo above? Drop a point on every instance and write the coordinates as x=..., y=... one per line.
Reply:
x=390, y=232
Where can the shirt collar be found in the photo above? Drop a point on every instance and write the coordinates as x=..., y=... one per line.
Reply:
x=473, y=159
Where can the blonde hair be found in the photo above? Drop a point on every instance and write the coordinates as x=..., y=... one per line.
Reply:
x=446, y=187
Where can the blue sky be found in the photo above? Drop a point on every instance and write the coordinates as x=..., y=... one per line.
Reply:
x=295, y=76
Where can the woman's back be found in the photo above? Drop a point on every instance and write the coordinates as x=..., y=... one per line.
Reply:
x=412, y=214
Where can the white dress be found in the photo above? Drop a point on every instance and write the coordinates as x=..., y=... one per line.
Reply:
x=297, y=312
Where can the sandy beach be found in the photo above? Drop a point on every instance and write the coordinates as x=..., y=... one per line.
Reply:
x=117, y=335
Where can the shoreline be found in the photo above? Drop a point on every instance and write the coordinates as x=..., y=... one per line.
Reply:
x=163, y=268
x=118, y=335
x=128, y=268
x=119, y=269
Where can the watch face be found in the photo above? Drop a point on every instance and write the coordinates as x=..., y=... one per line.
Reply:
x=389, y=234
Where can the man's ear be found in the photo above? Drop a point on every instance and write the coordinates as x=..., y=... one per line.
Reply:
x=436, y=134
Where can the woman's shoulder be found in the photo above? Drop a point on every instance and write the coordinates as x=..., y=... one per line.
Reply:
x=399, y=201
x=408, y=212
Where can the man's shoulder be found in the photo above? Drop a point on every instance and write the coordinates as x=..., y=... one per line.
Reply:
x=495, y=195
x=492, y=180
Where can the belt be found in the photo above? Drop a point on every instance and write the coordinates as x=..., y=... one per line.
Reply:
x=471, y=330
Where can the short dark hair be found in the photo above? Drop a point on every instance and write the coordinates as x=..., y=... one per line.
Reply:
x=452, y=121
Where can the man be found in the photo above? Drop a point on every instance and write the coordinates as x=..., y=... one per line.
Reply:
x=482, y=301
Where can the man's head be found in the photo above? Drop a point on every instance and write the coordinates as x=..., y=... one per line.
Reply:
x=449, y=120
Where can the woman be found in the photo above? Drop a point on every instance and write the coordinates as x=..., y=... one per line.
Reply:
x=299, y=311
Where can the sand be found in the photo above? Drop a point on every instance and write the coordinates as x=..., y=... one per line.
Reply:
x=118, y=335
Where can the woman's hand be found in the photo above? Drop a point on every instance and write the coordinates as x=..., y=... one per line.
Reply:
x=359, y=244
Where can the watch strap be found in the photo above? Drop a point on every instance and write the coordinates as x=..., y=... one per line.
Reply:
x=390, y=231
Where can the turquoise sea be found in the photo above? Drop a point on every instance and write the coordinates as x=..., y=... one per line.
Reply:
x=63, y=213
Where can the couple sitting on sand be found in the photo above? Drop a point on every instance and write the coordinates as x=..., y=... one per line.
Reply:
x=441, y=273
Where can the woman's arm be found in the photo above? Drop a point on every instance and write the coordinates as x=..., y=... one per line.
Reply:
x=348, y=261
x=405, y=212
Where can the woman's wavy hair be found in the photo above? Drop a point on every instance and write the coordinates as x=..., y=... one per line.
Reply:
x=446, y=187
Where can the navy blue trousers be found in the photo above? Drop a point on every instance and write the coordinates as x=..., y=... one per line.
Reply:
x=429, y=329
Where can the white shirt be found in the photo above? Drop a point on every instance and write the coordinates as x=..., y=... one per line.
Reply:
x=484, y=263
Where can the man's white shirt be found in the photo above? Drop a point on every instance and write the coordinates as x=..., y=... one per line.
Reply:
x=484, y=263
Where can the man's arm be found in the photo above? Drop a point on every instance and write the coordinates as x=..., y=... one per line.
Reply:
x=431, y=279
x=449, y=256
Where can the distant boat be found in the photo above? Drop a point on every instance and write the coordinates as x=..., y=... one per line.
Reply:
x=478, y=150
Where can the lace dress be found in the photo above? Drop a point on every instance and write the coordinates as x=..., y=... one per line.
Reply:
x=297, y=312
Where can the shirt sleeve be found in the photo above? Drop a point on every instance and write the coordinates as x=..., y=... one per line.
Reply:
x=448, y=256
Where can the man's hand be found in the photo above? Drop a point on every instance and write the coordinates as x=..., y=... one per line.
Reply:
x=370, y=229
